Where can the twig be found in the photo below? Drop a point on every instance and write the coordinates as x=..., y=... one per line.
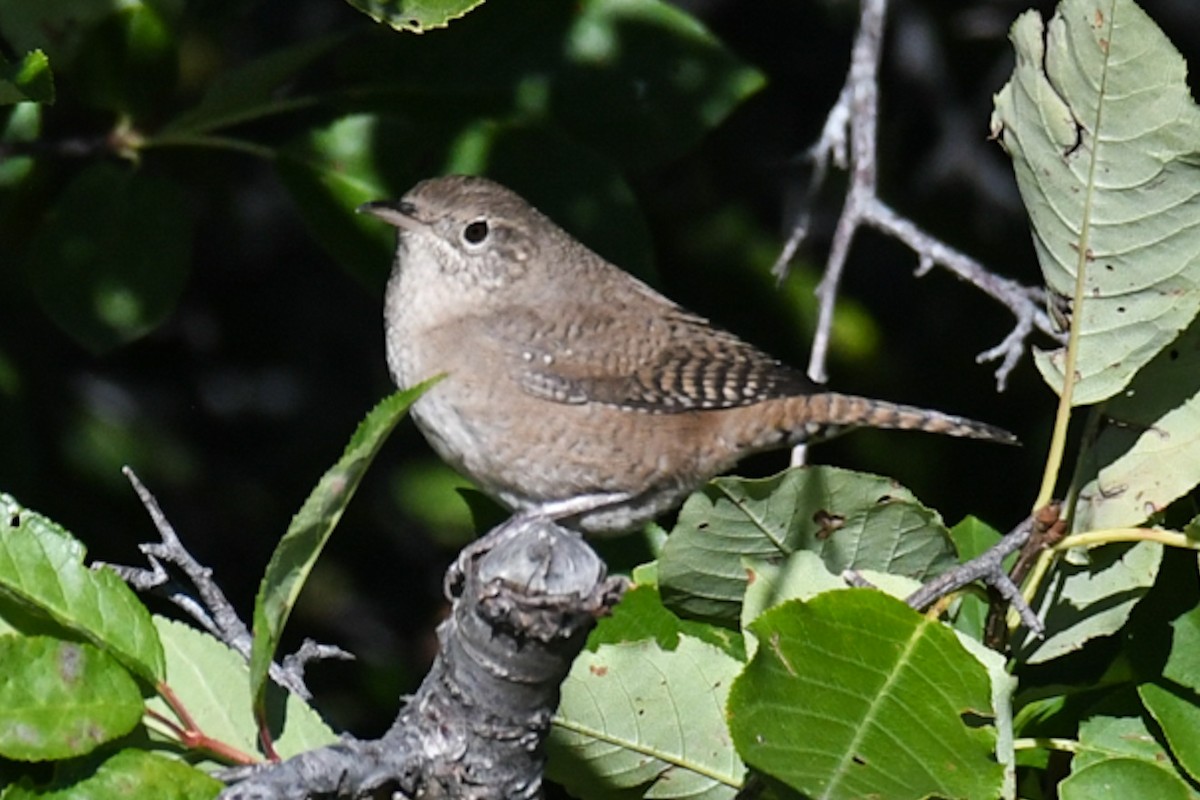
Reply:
x=212, y=610
x=854, y=120
x=989, y=568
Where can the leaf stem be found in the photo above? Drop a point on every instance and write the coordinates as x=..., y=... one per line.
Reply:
x=212, y=142
x=1110, y=535
x=1047, y=743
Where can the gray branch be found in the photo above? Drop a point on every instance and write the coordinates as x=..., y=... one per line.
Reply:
x=205, y=602
x=848, y=139
x=475, y=727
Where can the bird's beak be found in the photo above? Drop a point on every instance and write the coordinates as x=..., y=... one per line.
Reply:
x=400, y=213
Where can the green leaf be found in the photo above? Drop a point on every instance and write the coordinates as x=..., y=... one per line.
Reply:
x=1183, y=661
x=312, y=526
x=646, y=80
x=57, y=28
x=1081, y=601
x=21, y=123
x=415, y=16
x=129, y=61
x=250, y=91
x=1148, y=455
x=1123, y=777
x=1103, y=737
x=1102, y=131
x=1177, y=712
x=126, y=774
x=41, y=568
x=639, y=82
x=61, y=699
x=211, y=682
x=28, y=79
x=110, y=262
x=330, y=171
x=857, y=695
x=641, y=615
x=972, y=537
x=636, y=716
x=852, y=520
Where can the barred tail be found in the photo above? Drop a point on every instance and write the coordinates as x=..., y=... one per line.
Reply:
x=826, y=414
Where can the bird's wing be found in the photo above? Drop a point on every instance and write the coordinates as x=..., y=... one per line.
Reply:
x=668, y=362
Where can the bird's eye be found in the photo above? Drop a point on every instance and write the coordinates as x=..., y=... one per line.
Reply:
x=475, y=232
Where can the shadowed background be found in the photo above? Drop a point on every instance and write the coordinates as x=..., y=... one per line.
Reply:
x=259, y=341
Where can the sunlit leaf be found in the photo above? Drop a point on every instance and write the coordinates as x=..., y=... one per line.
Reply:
x=41, y=568
x=126, y=774
x=311, y=528
x=852, y=520
x=1089, y=596
x=1147, y=453
x=636, y=715
x=27, y=79
x=415, y=16
x=853, y=694
x=60, y=699
x=1102, y=131
x=211, y=681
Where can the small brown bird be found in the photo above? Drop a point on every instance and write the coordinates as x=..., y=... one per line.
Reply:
x=573, y=389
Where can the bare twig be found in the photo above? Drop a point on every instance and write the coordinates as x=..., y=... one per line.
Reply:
x=854, y=120
x=1034, y=534
x=208, y=605
x=989, y=568
x=297, y=662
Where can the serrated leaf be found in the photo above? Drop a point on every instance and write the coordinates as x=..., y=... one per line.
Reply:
x=1147, y=453
x=28, y=79
x=1102, y=131
x=852, y=520
x=1123, y=777
x=41, y=568
x=61, y=699
x=1082, y=601
x=111, y=259
x=297, y=551
x=857, y=695
x=636, y=716
x=415, y=16
x=211, y=682
x=126, y=774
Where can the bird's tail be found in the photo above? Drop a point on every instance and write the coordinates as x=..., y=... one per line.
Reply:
x=825, y=414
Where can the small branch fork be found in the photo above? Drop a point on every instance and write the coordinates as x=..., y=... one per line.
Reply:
x=1033, y=535
x=208, y=605
x=848, y=139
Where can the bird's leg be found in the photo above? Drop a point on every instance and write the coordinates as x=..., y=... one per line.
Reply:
x=554, y=510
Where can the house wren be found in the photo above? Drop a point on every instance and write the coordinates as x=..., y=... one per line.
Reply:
x=573, y=389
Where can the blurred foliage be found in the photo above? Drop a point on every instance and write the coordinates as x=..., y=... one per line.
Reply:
x=184, y=286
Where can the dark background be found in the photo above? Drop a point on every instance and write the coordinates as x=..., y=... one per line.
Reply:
x=235, y=404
